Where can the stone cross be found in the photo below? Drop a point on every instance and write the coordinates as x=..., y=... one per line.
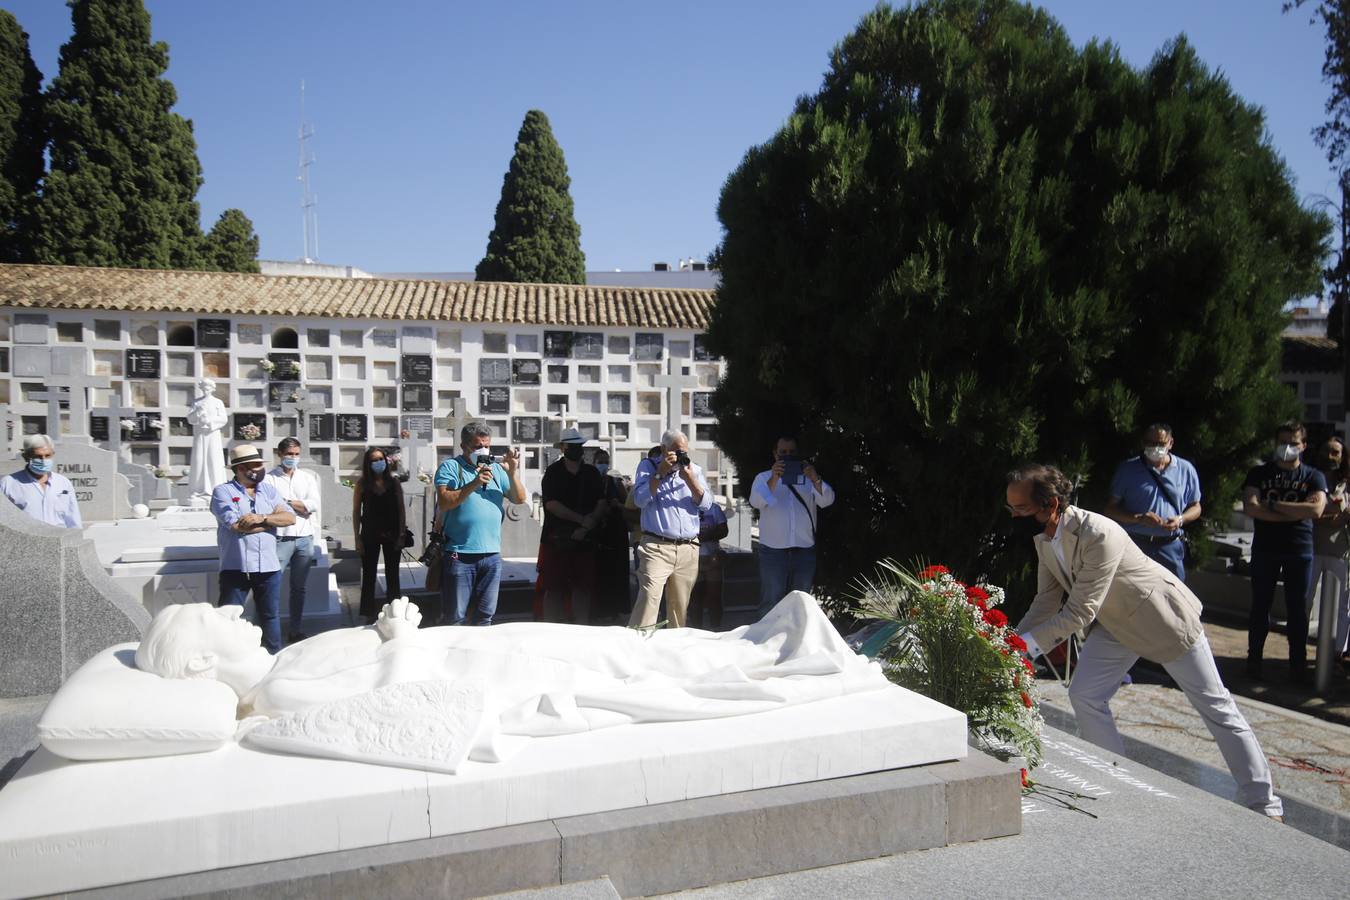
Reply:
x=411, y=444
x=11, y=429
x=52, y=396
x=76, y=384
x=674, y=385
x=302, y=407
x=458, y=418
x=114, y=412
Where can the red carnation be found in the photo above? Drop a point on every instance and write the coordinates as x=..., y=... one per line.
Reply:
x=1026, y=699
x=1025, y=780
x=933, y=572
x=995, y=617
x=234, y=499
x=1029, y=667
x=976, y=593
x=1015, y=641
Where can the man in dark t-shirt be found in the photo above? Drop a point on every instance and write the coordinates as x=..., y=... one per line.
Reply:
x=1282, y=497
x=574, y=506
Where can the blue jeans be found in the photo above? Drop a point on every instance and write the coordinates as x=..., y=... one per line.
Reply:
x=266, y=587
x=783, y=571
x=1170, y=555
x=470, y=582
x=1296, y=572
x=298, y=553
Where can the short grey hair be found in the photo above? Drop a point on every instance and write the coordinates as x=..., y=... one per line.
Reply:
x=34, y=442
x=669, y=438
x=474, y=430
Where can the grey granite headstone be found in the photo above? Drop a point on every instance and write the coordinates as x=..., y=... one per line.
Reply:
x=335, y=502
x=58, y=607
x=101, y=488
x=520, y=531
x=739, y=520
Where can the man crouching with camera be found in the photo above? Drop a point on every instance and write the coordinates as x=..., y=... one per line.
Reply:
x=471, y=490
x=670, y=491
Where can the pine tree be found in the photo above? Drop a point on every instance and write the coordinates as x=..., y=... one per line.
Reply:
x=231, y=245
x=124, y=170
x=978, y=245
x=535, y=237
x=21, y=140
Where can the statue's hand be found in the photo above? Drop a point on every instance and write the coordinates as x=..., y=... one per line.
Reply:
x=399, y=619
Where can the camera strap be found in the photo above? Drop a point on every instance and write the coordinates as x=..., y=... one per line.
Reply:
x=810, y=518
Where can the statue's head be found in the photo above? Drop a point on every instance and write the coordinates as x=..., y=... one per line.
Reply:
x=198, y=640
x=206, y=386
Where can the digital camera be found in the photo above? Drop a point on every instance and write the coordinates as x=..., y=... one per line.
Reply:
x=681, y=458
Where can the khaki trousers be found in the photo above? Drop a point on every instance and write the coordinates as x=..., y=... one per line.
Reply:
x=659, y=563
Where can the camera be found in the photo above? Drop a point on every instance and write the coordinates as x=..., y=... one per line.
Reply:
x=485, y=459
x=681, y=458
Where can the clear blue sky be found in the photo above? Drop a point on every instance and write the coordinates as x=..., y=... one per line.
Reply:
x=416, y=104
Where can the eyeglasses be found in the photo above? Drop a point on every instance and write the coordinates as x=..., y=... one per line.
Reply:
x=1024, y=509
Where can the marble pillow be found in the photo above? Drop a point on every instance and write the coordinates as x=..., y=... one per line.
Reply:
x=109, y=709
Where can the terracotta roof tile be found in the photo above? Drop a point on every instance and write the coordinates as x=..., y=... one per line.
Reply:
x=229, y=293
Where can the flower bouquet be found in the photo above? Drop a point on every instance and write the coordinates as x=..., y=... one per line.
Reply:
x=946, y=640
x=128, y=424
x=268, y=366
x=250, y=432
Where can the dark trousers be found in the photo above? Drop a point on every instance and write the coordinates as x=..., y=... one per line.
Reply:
x=370, y=561
x=266, y=587
x=1296, y=573
x=1171, y=555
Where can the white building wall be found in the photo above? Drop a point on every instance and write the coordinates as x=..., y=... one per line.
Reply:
x=355, y=367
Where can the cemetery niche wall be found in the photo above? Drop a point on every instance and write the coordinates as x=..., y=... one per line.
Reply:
x=379, y=355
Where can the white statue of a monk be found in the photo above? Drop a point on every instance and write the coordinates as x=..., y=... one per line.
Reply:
x=207, y=416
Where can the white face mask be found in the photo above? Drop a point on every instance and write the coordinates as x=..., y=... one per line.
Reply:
x=1286, y=452
x=1155, y=453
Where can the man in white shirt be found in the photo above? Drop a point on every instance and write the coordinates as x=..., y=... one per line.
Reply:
x=38, y=489
x=789, y=497
x=295, y=543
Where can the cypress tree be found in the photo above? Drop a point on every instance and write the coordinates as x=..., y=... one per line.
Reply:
x=21, y=140
x=977, y=245
x=231, y=245
x=124, y=171
x=535, y=236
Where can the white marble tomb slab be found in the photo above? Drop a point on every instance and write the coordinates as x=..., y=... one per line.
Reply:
x=66, y=826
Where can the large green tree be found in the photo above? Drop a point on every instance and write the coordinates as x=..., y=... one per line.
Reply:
x=124, y=172
x=535, y=236
x=21, y=140
x=231, y=245
x=977, y=245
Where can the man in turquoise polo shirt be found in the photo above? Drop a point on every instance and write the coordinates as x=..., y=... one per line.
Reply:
x=471, y=490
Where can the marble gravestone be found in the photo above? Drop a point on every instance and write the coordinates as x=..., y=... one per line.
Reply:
x=64, y=608
x=102, y=487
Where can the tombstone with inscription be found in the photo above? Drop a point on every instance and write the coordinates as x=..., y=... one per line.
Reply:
x=213, y=334
x=493, y=400
x=494, y=371
x=101, y=490
x=352, y=427
x=525, y=371
x=588, y=345
x=207, y=417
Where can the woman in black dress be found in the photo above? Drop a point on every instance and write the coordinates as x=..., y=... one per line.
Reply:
x=377, y=510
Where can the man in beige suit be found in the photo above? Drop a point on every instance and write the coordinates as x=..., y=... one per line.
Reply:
x=1135, y=608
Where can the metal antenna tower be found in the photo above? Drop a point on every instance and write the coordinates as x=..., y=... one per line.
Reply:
x=308, y=201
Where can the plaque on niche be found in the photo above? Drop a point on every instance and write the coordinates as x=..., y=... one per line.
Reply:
x=526, y=429
x=648, y=346
x=351, y=427
x=143, y=364
x=279, y=393
x=416, y=369
x=213, y=334
x=180, y=427
x=588, y=345
x=285, y=366
x=558, y=344
x=243, y=431
x=703, y=405
x=701, y=351
x=321, y=427
x=417, y=397
x=494, y=400
x=494, y=371
x=145, y=429
x=525, y=371
x=422, y=425
x=98, y=428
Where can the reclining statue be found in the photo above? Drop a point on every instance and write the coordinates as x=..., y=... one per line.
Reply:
x=395, y=694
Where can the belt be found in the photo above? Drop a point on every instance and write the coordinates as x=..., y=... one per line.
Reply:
x=669, y=540
x=1156, y=538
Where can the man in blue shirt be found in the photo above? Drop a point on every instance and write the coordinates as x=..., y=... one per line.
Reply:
x=671, y=493
x=1282, y=497
x=471, y=490
x=1153, y=496
x=248, y=513
x=42, y=493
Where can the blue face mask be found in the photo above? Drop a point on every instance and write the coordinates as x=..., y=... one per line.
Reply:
x=40, y=465
x=602, y=467
x=378, y=466
x=290, y=462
